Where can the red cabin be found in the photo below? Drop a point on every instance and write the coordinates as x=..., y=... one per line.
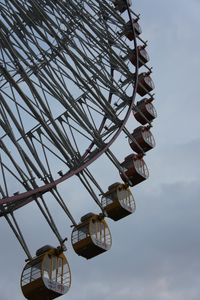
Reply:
x=128, y=31
x=118, y=201
x=143, y=56
x=145, y=112
x=121, y=5
x=142, y=140
x=135, y=170
x=145, y=84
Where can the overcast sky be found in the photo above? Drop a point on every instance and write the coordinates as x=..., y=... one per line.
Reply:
x=155, y=252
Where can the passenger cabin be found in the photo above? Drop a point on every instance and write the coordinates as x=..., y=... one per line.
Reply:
x=135, y=170
x=143, y=56
x=145, y=84
x=121, y=5
x=118, y=201
x=142, y=140
x=91, y=237
x=128, y=29
x=144, y=111
x=47, y=276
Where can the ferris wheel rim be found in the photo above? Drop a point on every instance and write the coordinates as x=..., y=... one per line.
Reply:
x=28, y=196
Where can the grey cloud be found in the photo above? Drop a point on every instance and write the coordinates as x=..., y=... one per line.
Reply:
x=157, y=257
x=155, y=253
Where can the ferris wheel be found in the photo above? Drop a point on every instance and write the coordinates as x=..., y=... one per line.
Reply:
x=71, y=75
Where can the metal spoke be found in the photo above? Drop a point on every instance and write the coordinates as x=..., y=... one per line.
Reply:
x=67, y=89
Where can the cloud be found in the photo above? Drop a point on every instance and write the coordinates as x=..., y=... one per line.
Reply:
x=155, y=253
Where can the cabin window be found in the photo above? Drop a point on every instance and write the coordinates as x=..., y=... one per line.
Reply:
x=66, y=275
x=107, y=200
x=56, y=269
x=60, y=270
x=148, y=137
x=150, y=108
x=100, y=233
x=125, y=198
x=95, y=231
x=31, y=273
x=139, y=165
x=126, y=165
x=80, y=234
x=47, y=267
x=36, y=272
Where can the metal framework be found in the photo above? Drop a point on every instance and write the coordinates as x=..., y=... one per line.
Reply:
x=67, y=90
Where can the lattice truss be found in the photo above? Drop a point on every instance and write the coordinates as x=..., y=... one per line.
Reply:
x=64, y=95
x=56, y=78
